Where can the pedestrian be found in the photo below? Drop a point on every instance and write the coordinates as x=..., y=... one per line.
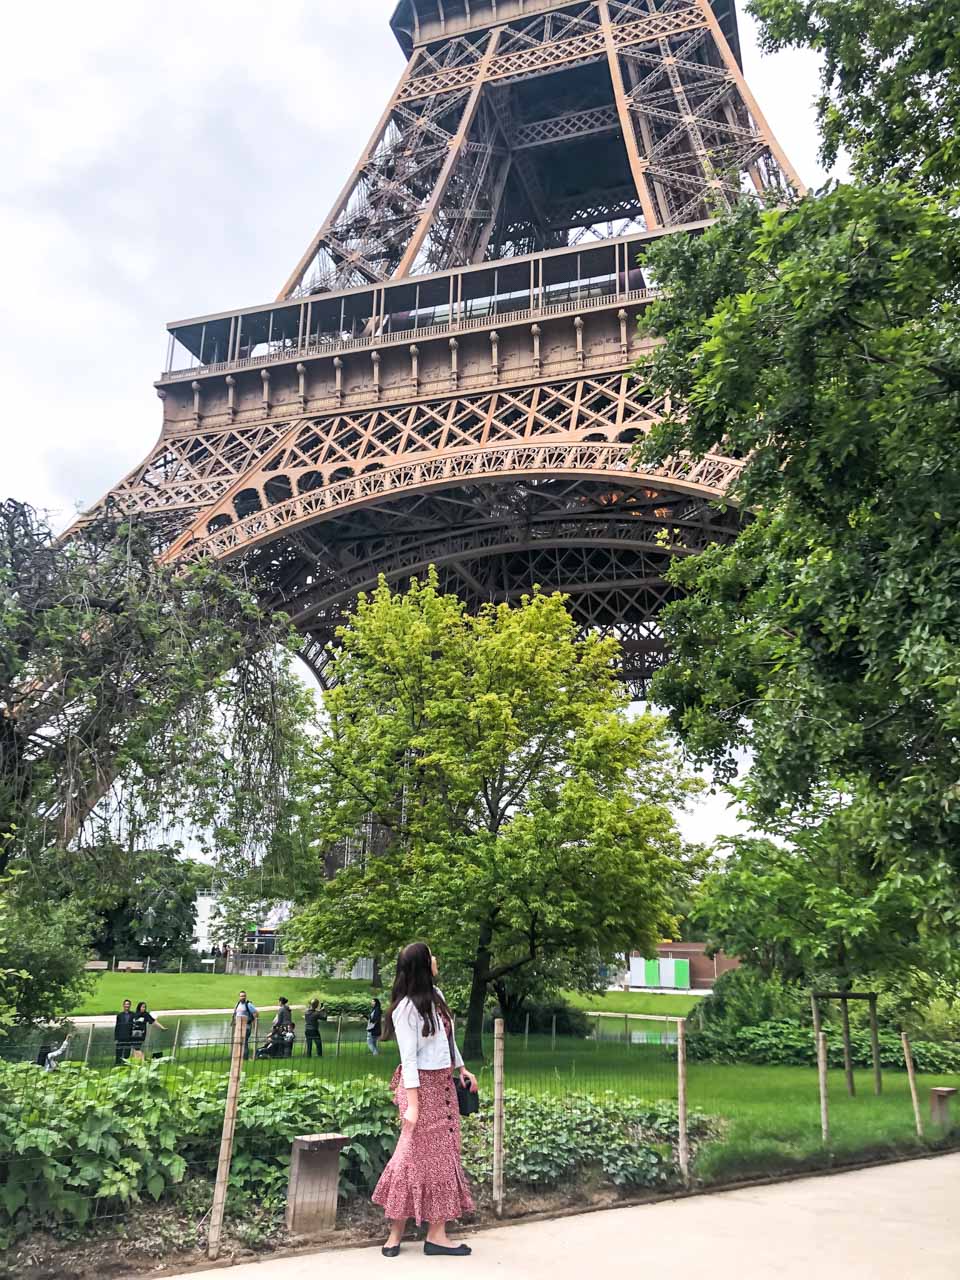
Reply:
x=374, y=1027
x=142, y=1021
x=283, y=1025
x=123, y=1033
x=424, y=1178
x=248, y=1011
x=311, y=1030
x=49, y=1058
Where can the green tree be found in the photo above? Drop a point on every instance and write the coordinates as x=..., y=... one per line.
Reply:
x=160, y=689
x=528, y=815
x=891, y=81
x=811, y=905
x=820, y=344
x=155, y=912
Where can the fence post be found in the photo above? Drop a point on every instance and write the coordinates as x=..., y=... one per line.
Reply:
x=498, y=1117
x=596, y=1033
x=875, y=1047
x=86, y=1056
x=339, y=1034
x=553, y=1033
x=181, y=964
x=683, y=1145
x=526, y=1032
x=912, y=1077
x=822, y=1080
x=626, y=1030
x=226, y=1141
x=176, y=1040
x=847, y=1050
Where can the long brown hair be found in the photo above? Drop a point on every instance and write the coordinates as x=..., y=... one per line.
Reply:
x=414, y=982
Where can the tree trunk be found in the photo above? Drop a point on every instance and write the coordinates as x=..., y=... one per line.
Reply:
x=473, y=1041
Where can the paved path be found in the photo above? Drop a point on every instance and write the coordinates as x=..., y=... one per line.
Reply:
x=900, y=1222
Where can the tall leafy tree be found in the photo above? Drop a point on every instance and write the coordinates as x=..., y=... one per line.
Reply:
x=527, y=815
x=820, y=343
x=891, y=81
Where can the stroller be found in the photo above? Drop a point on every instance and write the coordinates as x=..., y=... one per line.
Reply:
x=278, y=1044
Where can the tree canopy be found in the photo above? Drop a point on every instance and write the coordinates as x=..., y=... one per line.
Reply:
x=819, y=342
x=891, y=82
x=497, y=796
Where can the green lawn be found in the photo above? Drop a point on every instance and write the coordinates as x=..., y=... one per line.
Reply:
x=205, y=990
x=219, y=991
x=677, y=1006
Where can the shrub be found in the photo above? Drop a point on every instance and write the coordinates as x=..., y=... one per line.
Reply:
x=570, y=1021
x=555, y=1140
x=348, y=1006
x=782, y=1043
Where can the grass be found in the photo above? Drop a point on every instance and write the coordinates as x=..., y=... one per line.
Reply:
x=205, y=990
x=219, y=991
x=677, y=1006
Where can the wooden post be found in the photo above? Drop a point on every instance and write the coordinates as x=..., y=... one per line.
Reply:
x=226, y=1141
x=86, y=1056
x=875, y=1047
x=912, y=1077
x=814, y=1005
x=176, y=1040
x=181, y=966
x=626, y=1030
x=339, y=1034
x=526, y=1032
x=683, y=1146
x=498, y=1108
x=114, y=964
x=553, y=1033
x=596, y=1033
x=822, y=1079
x=847, y=1050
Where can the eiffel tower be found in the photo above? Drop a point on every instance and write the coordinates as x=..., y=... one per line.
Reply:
x=445, y=377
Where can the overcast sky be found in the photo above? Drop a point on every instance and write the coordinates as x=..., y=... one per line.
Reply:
x=166, y=160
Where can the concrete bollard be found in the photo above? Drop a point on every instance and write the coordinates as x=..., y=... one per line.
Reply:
x=940, y=1107
x=313, y=1184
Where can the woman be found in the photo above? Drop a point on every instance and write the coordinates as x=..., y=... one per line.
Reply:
x=311, y=1030
x=138, y=1030
x=424, y=1179
x=283, y=1025
x=374, y=1027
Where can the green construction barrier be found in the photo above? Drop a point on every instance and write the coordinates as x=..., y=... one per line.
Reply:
x=651, y=973
x=682, y=975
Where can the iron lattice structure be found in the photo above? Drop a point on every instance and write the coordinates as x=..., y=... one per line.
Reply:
x=447, y=375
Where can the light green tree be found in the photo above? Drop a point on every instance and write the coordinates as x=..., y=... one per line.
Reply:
x=521, y=813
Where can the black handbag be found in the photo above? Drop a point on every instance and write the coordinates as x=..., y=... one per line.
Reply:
x=468, y=1102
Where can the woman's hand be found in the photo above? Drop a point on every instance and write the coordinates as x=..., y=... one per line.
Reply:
x=412, y=1114
x=468, y=1079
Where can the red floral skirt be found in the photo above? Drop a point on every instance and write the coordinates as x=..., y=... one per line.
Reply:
x=425, y=1179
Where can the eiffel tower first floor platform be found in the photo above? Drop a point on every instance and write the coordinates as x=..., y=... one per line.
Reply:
x=498, y=445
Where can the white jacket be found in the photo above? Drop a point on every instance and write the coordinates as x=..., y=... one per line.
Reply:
x=417, y=1051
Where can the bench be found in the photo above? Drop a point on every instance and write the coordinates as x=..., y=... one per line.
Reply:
x=313, y=1183
x=940, y=1106
x=130, y=966
x=99, y=965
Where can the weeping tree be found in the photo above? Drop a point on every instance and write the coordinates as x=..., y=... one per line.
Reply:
x=148, y=696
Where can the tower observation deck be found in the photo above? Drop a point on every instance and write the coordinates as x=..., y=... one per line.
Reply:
x=447, y=376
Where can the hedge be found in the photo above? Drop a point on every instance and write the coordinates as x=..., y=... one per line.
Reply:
x=791, y=1044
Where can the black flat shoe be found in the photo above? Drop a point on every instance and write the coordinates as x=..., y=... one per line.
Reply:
x=442, y=1251
x=390, y=1250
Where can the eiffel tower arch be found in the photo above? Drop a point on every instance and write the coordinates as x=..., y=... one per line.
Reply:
x=446, y=376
